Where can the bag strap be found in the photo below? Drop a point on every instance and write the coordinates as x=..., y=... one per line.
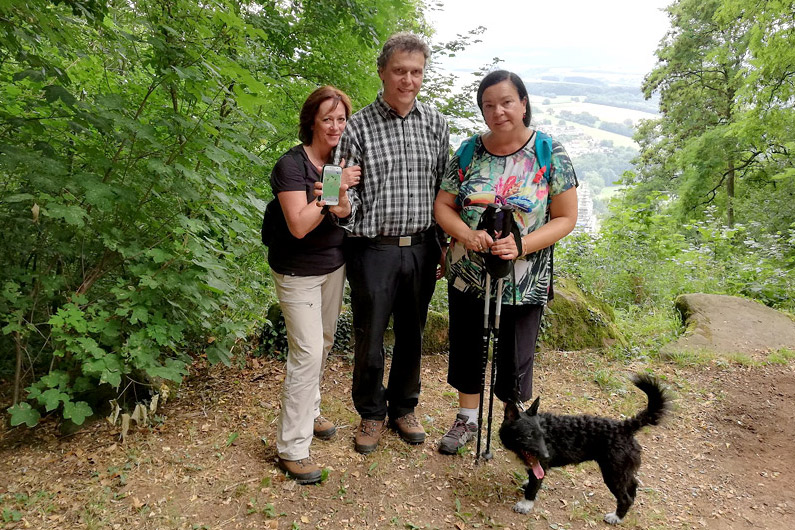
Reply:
x=544, y=150
x=544, y=154
x=465, y=152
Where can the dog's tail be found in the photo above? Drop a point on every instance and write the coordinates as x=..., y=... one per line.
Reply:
x=659, y=402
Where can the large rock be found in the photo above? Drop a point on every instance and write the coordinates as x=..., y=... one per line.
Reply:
x=731, y=325
x=576, y=320
x=435, y=339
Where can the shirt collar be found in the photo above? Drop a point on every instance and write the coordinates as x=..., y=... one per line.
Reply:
x=385, y=110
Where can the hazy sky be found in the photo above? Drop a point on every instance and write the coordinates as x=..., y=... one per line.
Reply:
x=610, y=36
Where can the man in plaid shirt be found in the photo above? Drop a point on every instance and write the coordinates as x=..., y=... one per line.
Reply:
x=393, y=248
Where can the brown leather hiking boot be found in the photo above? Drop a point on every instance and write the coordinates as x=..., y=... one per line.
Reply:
x=303, y=471
x=409, y=428
x=367, y=435
x=323, y=428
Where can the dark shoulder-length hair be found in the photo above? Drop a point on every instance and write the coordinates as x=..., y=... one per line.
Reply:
x=310, y=107
x=498, y=76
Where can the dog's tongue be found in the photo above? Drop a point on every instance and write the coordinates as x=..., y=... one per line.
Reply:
x=538, y=471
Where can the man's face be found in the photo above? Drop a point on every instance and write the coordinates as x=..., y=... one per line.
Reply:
x=402, y=77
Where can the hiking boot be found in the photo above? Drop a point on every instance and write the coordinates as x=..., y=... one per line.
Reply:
x=409, y=428
x=458, y=435
x=368, y=435
x=323, y=428
x=303, y=471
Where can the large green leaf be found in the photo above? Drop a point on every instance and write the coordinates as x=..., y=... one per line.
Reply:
x=77, y=412
x=52, y=398
x=23, y=413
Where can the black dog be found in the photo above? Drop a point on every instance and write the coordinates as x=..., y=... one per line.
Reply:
x=545, y=440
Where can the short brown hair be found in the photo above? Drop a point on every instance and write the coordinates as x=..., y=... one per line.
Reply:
x=306, y=119
x=402, y=42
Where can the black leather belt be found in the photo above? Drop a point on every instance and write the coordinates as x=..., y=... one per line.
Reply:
x=404, y=241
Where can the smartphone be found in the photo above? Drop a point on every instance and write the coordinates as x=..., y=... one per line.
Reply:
x=331, y=178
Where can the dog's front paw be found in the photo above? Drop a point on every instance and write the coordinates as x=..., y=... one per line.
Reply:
x=612, y=518
x=523, y=506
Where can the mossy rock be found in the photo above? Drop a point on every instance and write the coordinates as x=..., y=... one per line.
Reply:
x=575, y=320
x=436, y=338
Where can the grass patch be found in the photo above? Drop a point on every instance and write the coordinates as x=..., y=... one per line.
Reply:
x=782, y=356
x=606, y=379
x=13, y=507
x=689, y=358
x=743, y=359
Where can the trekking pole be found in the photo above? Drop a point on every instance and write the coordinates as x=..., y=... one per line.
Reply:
x=494, y=353
x=487, y=295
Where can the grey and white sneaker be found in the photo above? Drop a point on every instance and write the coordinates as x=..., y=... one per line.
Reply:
x=458, y=435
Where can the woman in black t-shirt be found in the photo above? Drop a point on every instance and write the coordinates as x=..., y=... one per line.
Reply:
x=309, y=273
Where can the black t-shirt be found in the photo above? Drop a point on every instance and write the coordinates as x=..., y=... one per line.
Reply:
x=318, y=252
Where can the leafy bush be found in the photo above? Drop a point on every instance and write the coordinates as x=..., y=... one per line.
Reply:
x=642, y=258
x=273, y=337
x=135, y=139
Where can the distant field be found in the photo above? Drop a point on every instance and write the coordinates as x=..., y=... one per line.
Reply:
x=598, y=134
x=603, y=112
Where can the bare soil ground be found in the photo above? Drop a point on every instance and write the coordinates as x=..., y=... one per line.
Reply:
x=724, y=459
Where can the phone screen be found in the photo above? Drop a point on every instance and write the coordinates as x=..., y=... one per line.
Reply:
x=332, y=175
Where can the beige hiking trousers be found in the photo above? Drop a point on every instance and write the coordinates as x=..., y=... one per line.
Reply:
x=311, y=306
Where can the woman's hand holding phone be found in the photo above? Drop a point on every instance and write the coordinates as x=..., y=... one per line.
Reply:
x=350, y=176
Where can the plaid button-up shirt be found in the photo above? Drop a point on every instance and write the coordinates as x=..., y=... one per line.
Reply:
x=402, y=160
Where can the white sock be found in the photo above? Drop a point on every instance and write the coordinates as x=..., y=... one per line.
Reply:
x=471, y=414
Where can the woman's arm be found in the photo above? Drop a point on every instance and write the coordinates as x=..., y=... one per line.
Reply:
x=301, y=217
x=448, y=216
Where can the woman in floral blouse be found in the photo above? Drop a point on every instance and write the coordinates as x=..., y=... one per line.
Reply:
x=504, y=169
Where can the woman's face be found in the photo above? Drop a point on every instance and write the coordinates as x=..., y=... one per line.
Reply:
x=329, y=123
x=503, y=110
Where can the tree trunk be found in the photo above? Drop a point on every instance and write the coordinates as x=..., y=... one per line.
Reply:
x=730, y=195
x=18, y=372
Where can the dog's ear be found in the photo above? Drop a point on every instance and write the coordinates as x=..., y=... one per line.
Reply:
x=511, y=412
x=534, y=407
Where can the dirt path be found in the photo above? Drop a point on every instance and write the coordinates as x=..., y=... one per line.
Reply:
x=724, y=459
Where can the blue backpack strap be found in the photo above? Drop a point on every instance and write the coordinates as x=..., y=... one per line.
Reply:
x=544, y=154
x=464, y=153
x=544, y=151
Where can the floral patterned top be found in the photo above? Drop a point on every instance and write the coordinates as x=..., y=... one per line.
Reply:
x=514, y=179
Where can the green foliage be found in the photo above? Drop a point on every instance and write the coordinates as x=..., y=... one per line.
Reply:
x=135, y=141
x=273, y=335
x=724, y=136
x=709, y=205
x=343, y=335
x=643, y=257
x=439, y=88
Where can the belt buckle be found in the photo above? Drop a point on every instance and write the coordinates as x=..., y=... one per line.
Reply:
x=404, y=241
